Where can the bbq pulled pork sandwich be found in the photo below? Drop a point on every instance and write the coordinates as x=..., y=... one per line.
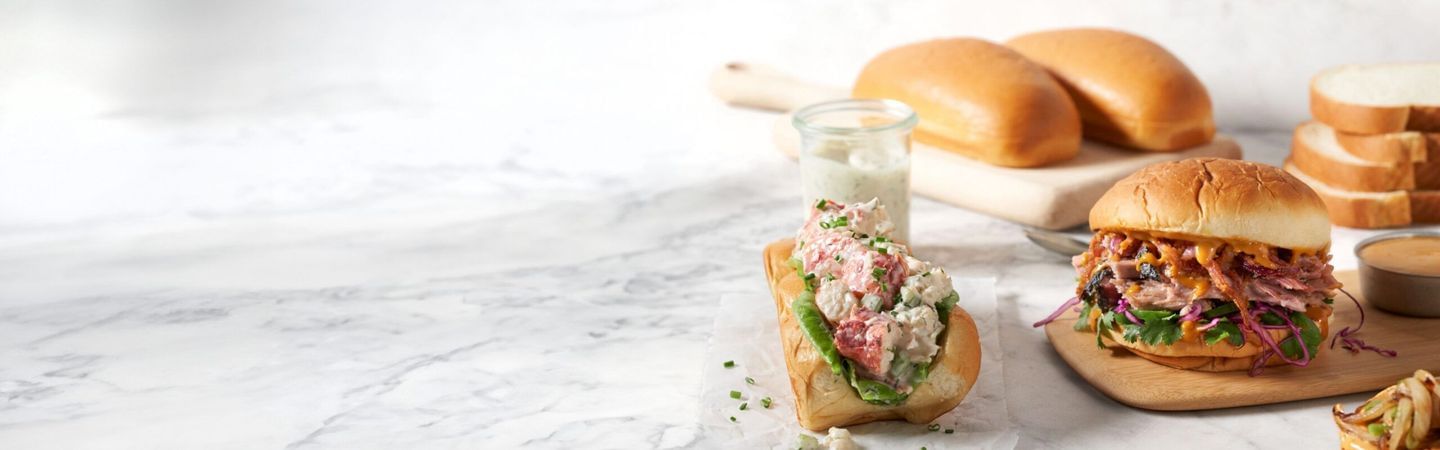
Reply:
x=1208, y=264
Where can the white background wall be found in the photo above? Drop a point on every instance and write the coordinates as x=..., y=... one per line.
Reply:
x=133, y=109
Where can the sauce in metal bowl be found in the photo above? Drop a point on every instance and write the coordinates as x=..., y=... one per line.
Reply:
x=1400, y=272
x=1414, y=255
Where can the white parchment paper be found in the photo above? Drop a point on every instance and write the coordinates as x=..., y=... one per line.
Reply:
x=746, y=332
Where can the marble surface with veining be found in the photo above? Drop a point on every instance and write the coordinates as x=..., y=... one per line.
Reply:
x=252, y=225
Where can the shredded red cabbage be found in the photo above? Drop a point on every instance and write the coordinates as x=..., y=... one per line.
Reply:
x=1073, y=301
x=1123, y=307
x=1272, y=349
x=1353, y=344
x=1192, y=316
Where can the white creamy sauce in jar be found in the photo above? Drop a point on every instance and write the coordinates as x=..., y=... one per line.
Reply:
x=847, y=173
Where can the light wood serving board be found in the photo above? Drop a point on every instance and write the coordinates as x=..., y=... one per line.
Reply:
x=1052, y=197
x=1140, y=383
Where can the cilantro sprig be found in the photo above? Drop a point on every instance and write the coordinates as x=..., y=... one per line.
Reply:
x=1157, y=327
x=1225, y=331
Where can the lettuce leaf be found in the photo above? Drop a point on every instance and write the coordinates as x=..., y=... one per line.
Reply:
x=874, y=392
x=1309, y=334
x=943, y=307
x=812, y=323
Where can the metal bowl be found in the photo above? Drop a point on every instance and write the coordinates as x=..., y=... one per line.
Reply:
x=1397, y=292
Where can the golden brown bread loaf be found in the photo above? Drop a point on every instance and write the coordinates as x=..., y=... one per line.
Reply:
x=1129, y=91
x=978, y=99
x=824, y=400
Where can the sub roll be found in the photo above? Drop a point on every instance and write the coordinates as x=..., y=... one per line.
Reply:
x=869, y=332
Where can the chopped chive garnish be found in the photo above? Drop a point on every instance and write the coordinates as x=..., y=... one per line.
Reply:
x=744, y=406
x=809, y=276
x=878, y=273
x=735, y=395
x=933, y=427
x=881, y=239
x=749, y=380
x=732, y=419
x=949, y=431
x=820, y=204
x=765, y=402
x=883, y=251
x=838, y=258
x=830, y=277
x=729, y=364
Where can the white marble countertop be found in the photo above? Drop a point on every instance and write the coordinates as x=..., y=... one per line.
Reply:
x=466, y=227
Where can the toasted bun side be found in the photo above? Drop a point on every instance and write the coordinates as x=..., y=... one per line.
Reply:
x=824, y=400
x=1377, y=98
x=1217, y=198
x=1365, y=209
x=1206, y=363
x=1221, y=357
x=1315, y=150
x=978, y=99
x=1129, y=90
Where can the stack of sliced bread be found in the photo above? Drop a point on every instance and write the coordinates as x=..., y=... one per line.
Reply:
x=1373, y=152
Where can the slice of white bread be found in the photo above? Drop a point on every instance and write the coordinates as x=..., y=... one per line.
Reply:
x=1373, y=209
x=1314, y=150
x=1368, y=162
x=1405, y=146
x=1378, y=98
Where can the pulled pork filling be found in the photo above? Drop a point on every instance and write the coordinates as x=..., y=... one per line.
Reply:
x=1169, y=274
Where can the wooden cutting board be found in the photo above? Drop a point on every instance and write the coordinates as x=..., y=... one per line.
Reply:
x=1137, y=382
x=1052, y=197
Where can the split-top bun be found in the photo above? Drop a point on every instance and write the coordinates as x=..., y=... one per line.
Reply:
x=1217, y=198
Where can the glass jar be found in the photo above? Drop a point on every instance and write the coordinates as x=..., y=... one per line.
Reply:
x=858, y=150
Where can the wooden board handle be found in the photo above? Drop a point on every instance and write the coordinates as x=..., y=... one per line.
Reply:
x=759, y=86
